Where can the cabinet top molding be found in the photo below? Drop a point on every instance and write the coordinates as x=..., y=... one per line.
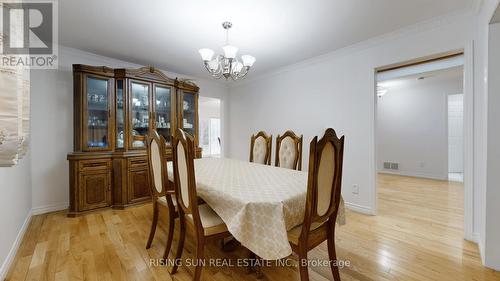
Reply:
x=142, y=73
x=100, y=70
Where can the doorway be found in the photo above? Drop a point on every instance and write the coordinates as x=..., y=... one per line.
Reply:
x=210, y=126
x=422, y=135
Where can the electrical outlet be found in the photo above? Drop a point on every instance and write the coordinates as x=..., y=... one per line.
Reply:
x=355, y=189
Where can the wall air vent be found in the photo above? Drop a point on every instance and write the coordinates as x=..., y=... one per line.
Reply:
x=391, y=166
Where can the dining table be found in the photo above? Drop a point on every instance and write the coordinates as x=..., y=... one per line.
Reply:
x=258, y=203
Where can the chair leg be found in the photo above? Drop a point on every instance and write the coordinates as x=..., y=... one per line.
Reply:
x=200, y=257
x=154, y=223
x=333, y=256
x=180, y=245
x=258, y=268
x=304, y=275
x=171, y=224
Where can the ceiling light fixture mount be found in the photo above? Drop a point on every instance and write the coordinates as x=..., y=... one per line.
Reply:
x=381, y=91
x=226, y=65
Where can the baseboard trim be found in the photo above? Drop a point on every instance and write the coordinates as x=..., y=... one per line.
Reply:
x=4, y=270
x=49, y=208
x=473, y=237
x=359, y=208
x=415, y=175
x=481, y=249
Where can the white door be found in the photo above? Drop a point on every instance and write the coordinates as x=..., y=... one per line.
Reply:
x=455, y=133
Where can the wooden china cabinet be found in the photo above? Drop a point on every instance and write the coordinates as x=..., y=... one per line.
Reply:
x=114, y=110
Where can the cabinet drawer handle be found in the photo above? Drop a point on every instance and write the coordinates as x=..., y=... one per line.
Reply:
x=93, y=165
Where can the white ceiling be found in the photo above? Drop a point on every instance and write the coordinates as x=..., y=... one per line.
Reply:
x=168, y=33
x=431, y=77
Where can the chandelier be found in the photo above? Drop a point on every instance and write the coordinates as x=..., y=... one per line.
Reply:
x=226, y=65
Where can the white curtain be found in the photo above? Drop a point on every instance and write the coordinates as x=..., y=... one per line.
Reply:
x=9, y=117
x=14, y=112
x=25, y=114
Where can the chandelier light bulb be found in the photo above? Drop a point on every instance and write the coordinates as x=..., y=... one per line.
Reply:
x=230, y=51
x=247, y=60
x=206, y=54
x=381, y=91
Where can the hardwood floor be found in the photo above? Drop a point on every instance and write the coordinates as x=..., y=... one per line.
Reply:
x=416, y=236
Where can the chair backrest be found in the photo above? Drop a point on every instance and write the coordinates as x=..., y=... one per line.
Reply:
x=324, y=179
x=184, y=176
x=260, y=148
x=157, y=164
x=289, y=151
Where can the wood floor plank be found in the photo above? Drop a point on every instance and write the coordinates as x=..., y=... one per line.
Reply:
x=417, y=235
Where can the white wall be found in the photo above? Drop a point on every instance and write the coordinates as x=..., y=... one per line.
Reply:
x=15, y=209
x=412, y=126
x=456, y=133
x=52, y=123
x=484, y=16
x=492, y=226
x=337, y=90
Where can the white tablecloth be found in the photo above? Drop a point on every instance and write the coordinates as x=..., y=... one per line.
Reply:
x=258, y=203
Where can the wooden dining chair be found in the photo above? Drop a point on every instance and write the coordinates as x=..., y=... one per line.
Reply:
x=322, y=201
x=162, y=193
x=199, y=218
x=289, y=151
x=260, y=148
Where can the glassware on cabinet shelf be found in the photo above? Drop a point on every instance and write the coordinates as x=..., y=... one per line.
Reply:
x=162, y=112
x=189, y=114
x=120, y=114
x=140, y=113
x=97, y=112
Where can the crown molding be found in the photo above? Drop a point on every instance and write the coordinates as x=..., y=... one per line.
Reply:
x=80, y=55
x=420, y=27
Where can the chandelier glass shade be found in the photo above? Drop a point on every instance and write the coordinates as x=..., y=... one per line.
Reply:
x=226, y=65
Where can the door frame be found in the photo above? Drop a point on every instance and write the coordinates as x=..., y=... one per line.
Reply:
x=468, y=89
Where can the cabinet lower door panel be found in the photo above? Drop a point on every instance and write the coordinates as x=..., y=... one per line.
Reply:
x=95, y=190
x=139, y=189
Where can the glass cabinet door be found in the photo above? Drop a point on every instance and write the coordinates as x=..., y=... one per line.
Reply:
x=139, y=93
x=163, y=106
x=97, y=113
x=188, y=106
x=120, y=115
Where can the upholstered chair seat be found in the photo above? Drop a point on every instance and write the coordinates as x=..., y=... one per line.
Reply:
x=294, y=233
x=163, y=201
x=211, y=222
